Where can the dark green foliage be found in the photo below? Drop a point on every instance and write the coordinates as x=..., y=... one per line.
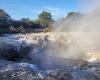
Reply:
x=25, y=25
x=74, y=15
x=4, y=19
x=44, y=19
x=45, y=15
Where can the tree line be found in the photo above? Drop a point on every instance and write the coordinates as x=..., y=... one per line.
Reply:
x=25, y=25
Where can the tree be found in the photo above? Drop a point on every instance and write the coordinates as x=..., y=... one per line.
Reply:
x=26, y=22
x=5, y=19
x=45, y=15
x=44, y=19
x=75, y=15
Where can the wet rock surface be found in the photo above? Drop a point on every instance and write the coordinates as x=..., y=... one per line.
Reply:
x=18, y=63
x=26, y=71
x=20, y=71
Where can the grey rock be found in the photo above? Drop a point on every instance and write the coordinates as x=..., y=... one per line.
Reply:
x=20, y=71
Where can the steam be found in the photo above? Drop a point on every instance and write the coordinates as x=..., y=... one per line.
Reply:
x=89, y=5
x=84, y=36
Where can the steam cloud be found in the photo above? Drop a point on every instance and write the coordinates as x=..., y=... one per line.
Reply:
x=84, y=33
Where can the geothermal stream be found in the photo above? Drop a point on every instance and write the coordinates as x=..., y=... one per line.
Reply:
x=54, y=56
